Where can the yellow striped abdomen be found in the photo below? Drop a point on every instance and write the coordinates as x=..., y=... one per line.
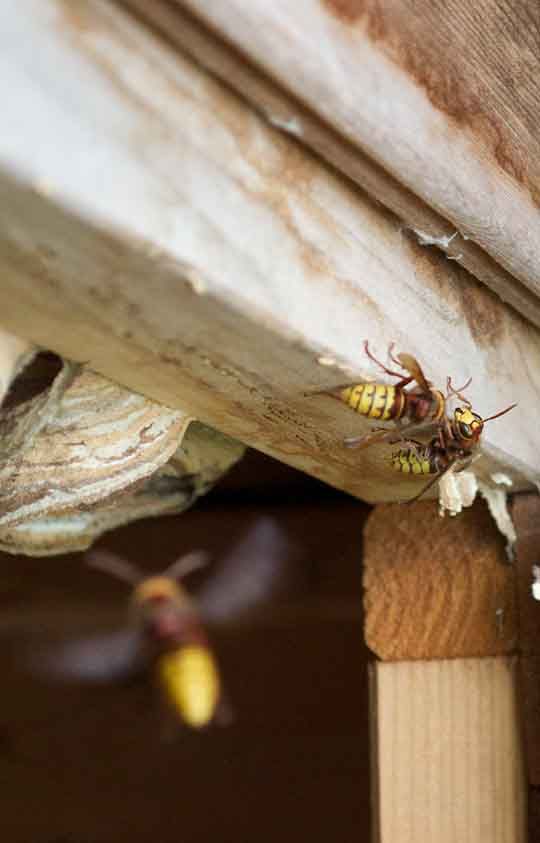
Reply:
x=412, y=462
x=374, y=400
x=191, y=683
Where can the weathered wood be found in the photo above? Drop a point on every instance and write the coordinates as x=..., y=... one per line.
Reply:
x=448, y=756
x=444, y=97
x=222, y=269
x=437, y=588
x=526, y=515
x=288, y=113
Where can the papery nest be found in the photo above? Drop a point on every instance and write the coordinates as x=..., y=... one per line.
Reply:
x=85, y=455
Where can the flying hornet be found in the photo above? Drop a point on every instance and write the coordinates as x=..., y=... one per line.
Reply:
x=172, y=636
x=166, y=632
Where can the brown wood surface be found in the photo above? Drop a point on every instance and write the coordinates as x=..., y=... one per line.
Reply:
x=226, y=271
x=443, y=95
x=526, y=516
x=286, y=111
x=448, y=752
x=437, y=588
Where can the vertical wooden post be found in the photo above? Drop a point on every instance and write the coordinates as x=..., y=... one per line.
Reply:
x=526, y=515
x=441, y=610
x=448, y=764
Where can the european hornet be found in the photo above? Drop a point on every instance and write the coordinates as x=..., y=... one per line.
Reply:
x=453, y=445
x=172, y=635
x=167, y=629
x=421, y=405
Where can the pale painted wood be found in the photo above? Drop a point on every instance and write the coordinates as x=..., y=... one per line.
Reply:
x=443, y=96
x=449, y=762
x=163, y=232
x=287, y=113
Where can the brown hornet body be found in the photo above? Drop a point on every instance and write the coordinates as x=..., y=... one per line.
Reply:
x=455, y=439
x=388, y=403
x=168, y=627
x=166, y=633
x=454, y=445
x=394, y=402
x=185, y=667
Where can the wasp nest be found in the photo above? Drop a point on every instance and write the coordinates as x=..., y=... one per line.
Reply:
x=84, y=455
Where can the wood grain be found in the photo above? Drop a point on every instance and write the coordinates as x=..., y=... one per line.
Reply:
x=443, y=96
x=222, y=269
x=526, y=516
x=282, y=109
x=448, y=755
x=437, y=588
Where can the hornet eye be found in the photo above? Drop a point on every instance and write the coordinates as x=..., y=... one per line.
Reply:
x=465, y=430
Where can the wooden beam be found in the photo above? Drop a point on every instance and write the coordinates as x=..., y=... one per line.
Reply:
x=448, y=758
x=163, y=232
x=283, y=109
x=442, y=97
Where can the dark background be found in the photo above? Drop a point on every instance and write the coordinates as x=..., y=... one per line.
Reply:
x=88, y=763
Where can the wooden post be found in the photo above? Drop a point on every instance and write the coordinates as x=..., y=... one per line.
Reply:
x=447, y=751
x=526, y=515
x=448, y=754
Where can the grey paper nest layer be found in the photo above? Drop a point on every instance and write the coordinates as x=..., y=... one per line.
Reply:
x=85, y=456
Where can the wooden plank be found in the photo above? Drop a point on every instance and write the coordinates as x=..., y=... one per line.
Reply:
x=443, y=97
x=448, y=752
x=221, y=269
x=437, y=588
x=288, y=113
x=526, y=516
